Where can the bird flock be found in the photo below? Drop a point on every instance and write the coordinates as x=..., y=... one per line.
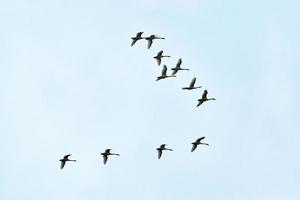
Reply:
x=159, y=56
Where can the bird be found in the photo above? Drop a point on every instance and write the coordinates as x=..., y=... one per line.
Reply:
x=159, y=56
x=164, y=74
x=106, y=154
x=64, y=160
x=204, y=98
x=192, y=85
x=160, y=150
x=177, y=67
x=151, y=38
x=137, y=37
x=198, y=142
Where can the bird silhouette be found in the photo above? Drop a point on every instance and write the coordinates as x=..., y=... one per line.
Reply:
x=198, y=142
x=177, y=67
x=64, y=160
x=106, y=154
x=137, y=38
x=164, y=74
x=161, y=149
x=192, y=85
x=204, y=98
x=159, y=56
x=151, y=38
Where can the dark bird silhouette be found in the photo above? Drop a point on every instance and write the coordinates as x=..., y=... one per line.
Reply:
x=64, y=160
x=192, y=85
x=164, y=74
x=198, y=142
x=137, y=38
x=161, y=149
x=151, y=38
x=106, y=154
x=178, y=68
x=204, y=98
x=159, y=56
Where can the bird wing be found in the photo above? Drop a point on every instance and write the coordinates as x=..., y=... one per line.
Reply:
x=104, y=159
x=199, y=139
x=162, y=146
x=193, y=83
x=164, y=70
x=149, y=43
x=159, y=153
x=194, y=147
x=158, y=59
x=133, y=41
x=107, y=151
x=159, y=54
x=178, y=64
x=139, y=34
x=204, y=95
x=200, y=101
x=66, y=157
x=62, y=164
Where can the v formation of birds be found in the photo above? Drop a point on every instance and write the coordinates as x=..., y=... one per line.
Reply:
x=160, y=55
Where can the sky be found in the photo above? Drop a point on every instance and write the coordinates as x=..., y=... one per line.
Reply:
x=71, y=83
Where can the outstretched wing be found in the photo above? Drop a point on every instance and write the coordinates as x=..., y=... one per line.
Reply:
x=104, y=159
x=149, y=43
x=159, y=54
x=162, y=146
x=194, y=147
x=139, y=34
x=204, y=95
x=62, y=164
x=66, y=157
x=192, y=85
x=199, y=139
x=158, y=59
x=200, y=101
x=107, y=151
x=164, y=70
x=159, y=153
x=178, y=64
x=133, y=41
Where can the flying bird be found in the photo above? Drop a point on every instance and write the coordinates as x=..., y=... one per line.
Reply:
x=164, y=74
x=64, y=160
x=161, y=149
x=137, y=37
x=151, y=38
x=106, y=154
x=198, y=142
x=159, y=56
x=192, y=85
x=177, y=67
x=204, y=98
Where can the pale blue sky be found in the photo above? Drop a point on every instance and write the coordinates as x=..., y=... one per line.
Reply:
x=71, y=83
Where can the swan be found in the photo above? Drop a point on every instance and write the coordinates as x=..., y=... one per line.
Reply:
x=64, y=160
x=164, y=74
x=178, y=68
x=204, y=98
x=198, y=142
x=107, y=153
x=151, y=38
x=137, y=37
x=161, y=149
x=192, y=85
x=159, y=56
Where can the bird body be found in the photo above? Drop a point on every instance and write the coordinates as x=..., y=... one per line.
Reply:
x=178, y=67
x=151, y=38
x=198, y=142
x=161, y=149
x=192, y=85
x=159, y=56
x=164, y=74
x=137, y=38
x=64, y=160
x=107, y=153
x=204, y=98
